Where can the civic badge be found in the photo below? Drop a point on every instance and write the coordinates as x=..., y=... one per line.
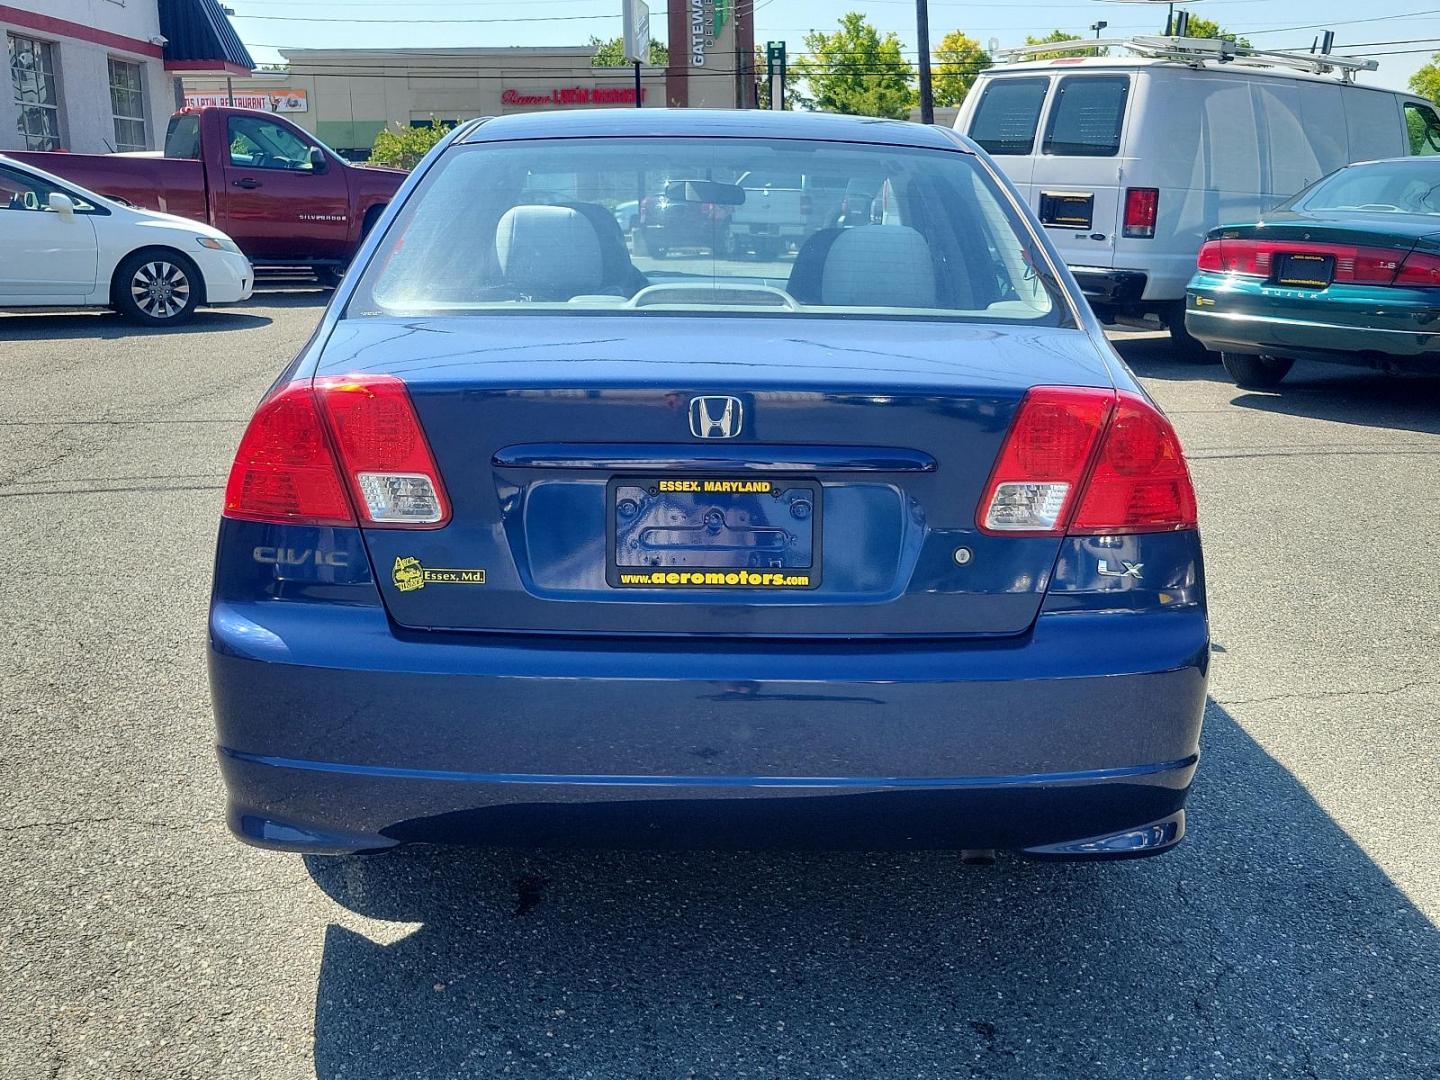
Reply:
x=716, y=417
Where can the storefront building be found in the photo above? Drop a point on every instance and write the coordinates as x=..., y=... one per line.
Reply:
x=347, y=96
x=93, y=76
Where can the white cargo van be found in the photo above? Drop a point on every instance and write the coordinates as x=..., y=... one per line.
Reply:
x=1129, y=159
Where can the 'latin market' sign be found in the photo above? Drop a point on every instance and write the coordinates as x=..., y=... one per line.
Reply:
x=572, y=95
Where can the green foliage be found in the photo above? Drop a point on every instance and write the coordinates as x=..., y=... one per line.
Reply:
x=856, y=71
x=611, y=53
x=958, y=59
x=1206, y=28
x=1054, y=37
x=403, y=147
x=1426, y=80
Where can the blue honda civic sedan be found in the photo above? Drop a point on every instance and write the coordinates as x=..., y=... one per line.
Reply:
x=873, y=542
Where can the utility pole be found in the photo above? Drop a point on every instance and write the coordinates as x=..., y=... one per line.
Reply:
x=922, y=34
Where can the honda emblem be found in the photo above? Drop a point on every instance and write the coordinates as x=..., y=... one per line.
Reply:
x=716, y=417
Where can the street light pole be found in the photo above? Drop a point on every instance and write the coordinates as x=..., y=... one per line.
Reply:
x=922, y=34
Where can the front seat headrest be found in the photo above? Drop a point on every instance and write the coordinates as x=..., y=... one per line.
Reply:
x=548, y=252
x=878, y=266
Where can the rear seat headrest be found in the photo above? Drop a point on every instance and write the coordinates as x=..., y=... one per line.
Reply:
x=878, y=266
x=550, y=252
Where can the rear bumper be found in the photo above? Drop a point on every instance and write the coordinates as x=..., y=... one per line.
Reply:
x=338, y=734
x=1110, y=290
x=1311, y=339
x=1374, y=327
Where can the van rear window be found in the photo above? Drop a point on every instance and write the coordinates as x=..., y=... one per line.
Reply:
x=1085, y=119
x=1009, y=109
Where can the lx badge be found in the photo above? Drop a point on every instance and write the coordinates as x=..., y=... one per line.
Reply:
x=1131, y=569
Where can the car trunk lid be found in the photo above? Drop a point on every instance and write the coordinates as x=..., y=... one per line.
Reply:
x=842, y=502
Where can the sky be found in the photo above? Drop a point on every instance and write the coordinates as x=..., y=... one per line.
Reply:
x=1400, y=34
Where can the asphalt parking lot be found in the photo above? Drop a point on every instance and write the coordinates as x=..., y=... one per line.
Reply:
x=1293, y=934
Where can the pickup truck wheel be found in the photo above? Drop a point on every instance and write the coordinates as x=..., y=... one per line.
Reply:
x=328, y=276
x=157, y=288
x=1256, y=372
x=767, y=249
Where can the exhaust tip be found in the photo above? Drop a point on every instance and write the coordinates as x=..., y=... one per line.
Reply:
x=977, y=856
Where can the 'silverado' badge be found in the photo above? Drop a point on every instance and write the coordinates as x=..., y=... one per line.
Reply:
x=409, y=575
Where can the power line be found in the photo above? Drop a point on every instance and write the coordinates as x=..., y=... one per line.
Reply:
x=409, y=21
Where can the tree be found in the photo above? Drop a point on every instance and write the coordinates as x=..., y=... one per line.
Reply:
x=958, y=59
x=403, y=147
x=1053, y=38
x=856, y=71
x=1205, y=28
x=612, y=53
x=1426, y=80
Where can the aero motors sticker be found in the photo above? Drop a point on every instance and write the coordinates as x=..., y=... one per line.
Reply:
x=408, y=575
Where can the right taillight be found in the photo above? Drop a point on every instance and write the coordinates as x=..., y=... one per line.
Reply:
x=1419, y=269
x=1142, y=207
x=1083, y=460
x=1139, y=482
x=1043, y=461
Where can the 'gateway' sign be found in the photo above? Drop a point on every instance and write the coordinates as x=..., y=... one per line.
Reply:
x=707, y=20
x=573, y=95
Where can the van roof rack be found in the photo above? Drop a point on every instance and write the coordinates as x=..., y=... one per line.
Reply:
x=1197, y=51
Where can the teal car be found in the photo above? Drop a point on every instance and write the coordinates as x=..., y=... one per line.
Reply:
x=1347, y=271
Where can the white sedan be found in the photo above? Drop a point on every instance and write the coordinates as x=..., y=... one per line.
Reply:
x=64, y=246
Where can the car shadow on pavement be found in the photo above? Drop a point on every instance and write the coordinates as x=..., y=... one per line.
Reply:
x=1154, y=357
x=1352, y=396
x=107, y=325
x=1268, y=944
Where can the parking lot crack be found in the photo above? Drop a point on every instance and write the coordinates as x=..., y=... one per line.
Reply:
x=69, y=823
x=1319, y=695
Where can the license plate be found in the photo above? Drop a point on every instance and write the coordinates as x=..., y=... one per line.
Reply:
x=1303, y=271
x=713, y=532
x=1067, y=209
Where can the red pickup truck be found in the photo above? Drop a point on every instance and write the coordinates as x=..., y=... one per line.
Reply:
x=286, y=199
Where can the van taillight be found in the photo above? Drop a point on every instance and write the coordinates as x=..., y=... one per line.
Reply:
x=1353, y=265
x=1088, y=461
x=1142, y=204
x=310, y=449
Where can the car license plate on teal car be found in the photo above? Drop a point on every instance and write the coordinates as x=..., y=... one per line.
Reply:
x=713, y=532
x=1304, y=271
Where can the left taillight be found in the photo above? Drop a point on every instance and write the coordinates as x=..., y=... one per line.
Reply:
x=285, y=470
x=315, y=452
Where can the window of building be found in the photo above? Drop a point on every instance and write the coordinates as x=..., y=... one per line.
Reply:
x=37, y=92
x=127, y=104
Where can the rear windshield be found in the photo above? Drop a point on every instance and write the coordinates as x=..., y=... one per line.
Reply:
x=1408, y=187
x=1085, y=119
x=656, y=225
x=1004, y=122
